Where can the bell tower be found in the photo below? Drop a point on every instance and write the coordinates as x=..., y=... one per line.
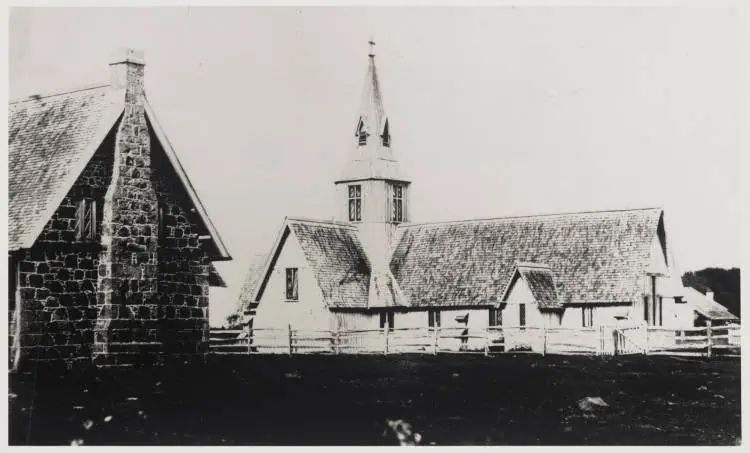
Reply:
x=371, y=192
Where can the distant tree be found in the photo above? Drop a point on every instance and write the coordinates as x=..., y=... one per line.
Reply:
x=233, y=321
x=725, y=284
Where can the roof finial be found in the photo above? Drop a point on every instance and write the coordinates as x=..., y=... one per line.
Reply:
x=372, y=48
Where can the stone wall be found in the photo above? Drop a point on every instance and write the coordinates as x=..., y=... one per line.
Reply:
x=126, y=330
x=183, y=264
x=59, y=279
x=58, y=275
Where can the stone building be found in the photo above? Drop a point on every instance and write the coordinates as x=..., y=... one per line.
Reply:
x=373, y=268
x=110, y=249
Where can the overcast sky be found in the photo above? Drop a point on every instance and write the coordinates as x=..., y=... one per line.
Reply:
x=493, y=111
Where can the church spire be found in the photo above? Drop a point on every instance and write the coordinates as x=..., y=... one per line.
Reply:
x=371, y=156
x=372, y=125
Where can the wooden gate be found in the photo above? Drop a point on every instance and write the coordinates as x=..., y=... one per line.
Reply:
x=622, y=339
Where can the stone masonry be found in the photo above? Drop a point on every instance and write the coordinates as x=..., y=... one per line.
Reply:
x=136, y=293
x=58, y=275
x=127, y=300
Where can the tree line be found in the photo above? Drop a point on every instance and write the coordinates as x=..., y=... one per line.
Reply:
x=725, y=284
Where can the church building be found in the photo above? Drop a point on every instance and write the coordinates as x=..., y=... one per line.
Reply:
x=374, y=267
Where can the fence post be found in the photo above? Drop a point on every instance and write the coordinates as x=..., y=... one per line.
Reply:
x=290, y=338
x=337, y=340
x=249, y=341
x=435, y=336
x=544, y=340
x=645, y=337
x=487, y=342
x=708, y=337
x=385, y=349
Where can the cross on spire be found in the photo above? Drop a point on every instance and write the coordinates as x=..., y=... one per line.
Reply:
x=372, y=48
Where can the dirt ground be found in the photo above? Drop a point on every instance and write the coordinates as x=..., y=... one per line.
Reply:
x=347, y=400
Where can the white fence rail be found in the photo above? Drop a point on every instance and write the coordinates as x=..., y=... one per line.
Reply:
x=602, y=340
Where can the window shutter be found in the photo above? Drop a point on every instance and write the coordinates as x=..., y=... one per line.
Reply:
x=92, y=219
x=295, y=285
x=80, y=219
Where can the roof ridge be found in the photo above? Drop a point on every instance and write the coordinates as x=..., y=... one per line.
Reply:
x=533, y=265
x=323, y=222
x=488, y=219
x=36, y=96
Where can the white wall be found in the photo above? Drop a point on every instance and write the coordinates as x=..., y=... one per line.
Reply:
x=573, y=319
x=667, y=286
x=375, y=229
x=274, y=311
x=521, y=294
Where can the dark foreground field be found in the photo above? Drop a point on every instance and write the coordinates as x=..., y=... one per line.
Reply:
x=345, y=400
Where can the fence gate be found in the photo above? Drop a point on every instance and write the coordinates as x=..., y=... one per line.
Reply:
x=607, y=341
x=622, y=339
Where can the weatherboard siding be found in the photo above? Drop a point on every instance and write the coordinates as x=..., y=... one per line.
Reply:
x=602, y=315
x=308, y=312
x=521, y=294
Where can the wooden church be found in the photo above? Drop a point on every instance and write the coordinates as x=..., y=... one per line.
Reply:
x=374, y=268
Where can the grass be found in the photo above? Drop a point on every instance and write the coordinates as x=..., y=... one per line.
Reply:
x=347, y=400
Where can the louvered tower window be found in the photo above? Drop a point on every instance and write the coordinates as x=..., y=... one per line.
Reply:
x=361, y=133
x=386, y=136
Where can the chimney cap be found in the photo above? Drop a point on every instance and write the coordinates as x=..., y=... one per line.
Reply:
x=127, y=55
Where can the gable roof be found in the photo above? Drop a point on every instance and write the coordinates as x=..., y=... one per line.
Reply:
x=594, y=257
x=335, y=255
x=541, y=283
x=252, y=282
x=707, y=307
x=221, y=252
x=51, y=138
x=50, y=141
x=214, y=278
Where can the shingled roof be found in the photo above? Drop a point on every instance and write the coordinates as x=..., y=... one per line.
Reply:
x=541, y=283
x=252, y=281
x=50, y=141
x=707, y=307
x=335, y=255
x=51, y=138
x=594, y=257
x=338, y=261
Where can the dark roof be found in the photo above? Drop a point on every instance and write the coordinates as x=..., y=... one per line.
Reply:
x=594, y=257
x=337, y=259
x=214, y=278
x=252, y=281
x=708, y=307
x=541, y=283
x=50, y=140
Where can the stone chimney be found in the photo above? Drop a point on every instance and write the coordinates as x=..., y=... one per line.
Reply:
x=126, y=69
x=710, y=294
x=126, y=328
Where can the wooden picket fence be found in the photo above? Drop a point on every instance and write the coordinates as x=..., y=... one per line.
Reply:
x=602, y=340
